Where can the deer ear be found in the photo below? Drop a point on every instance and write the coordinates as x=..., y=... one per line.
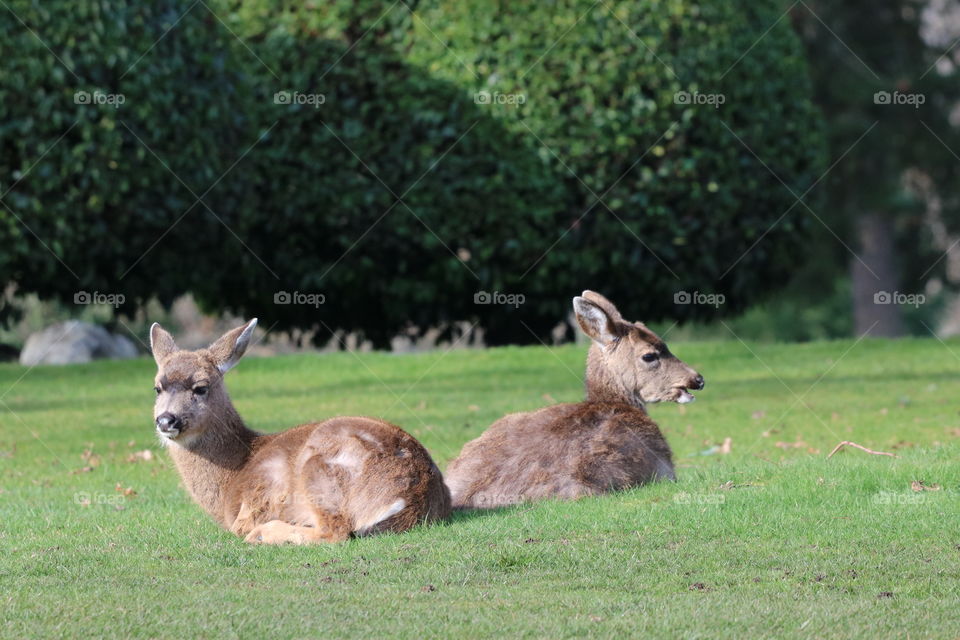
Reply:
x=161, y=342
x=601, y=301
x=594, y=321
x=231, y=346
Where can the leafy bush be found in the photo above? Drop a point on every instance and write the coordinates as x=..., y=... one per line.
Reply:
x=385, y=190
x=105, y=110
x=669, y=194
x=342, y=149
x=303, y=199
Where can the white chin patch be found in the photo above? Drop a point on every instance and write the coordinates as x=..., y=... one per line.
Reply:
x=685, y=397
x=169, y=436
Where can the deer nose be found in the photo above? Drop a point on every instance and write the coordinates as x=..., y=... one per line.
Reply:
x=167, y=422
x=697, y=383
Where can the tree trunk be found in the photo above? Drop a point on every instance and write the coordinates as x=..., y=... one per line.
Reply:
x=874, y=279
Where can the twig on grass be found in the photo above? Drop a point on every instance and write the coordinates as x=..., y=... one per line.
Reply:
x=862, y=448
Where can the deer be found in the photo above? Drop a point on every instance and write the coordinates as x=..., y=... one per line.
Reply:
x=318, y=482
x=606, y=443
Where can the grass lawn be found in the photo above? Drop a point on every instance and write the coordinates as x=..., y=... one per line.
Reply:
x=768, y=540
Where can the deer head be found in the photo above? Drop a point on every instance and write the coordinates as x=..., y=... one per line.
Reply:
x=628, y=362
x=192, y=402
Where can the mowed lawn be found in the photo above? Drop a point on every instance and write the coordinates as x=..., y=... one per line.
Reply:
x=761, y=537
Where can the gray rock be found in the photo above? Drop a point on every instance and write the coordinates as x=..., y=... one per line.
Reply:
x=74, y=341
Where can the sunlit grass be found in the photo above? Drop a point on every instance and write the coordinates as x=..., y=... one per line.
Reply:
x=769, y=540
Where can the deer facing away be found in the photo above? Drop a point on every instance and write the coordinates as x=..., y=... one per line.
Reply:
x=319, y=482
x=607, y=442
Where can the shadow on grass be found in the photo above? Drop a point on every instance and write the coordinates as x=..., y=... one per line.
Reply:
x=466, y=515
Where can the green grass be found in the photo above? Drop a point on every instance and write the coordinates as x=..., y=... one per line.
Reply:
x=770, y=540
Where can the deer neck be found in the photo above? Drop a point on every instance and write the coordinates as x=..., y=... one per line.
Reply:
x=601, y=384
x=208, y=464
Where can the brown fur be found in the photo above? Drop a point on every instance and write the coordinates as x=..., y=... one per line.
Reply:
x=605, y=443
x=318, y=482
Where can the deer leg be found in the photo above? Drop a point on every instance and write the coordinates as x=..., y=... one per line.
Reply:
x=330, y=528
x=244, y=521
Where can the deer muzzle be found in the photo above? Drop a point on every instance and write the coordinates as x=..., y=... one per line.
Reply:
x=169, y=425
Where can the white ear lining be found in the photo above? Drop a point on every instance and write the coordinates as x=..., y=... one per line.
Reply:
x=596, y=318
x=164, y=344
x=239, y=347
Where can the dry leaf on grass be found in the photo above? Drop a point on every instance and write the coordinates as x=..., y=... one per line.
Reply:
x=146, y=455
x=903, y=444
x=129, y=492
x=799, y=444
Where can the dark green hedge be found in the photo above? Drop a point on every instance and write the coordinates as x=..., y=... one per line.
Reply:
x=93, y=200
x=683, y=198
x=312, y=204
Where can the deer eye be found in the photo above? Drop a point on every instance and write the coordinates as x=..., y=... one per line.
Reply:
x=158, y=389
x=200, y=391
x=650, y=357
